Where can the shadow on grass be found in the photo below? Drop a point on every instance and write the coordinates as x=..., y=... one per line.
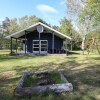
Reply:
x=96, y=58
x=7, y=87
x=72, y=52
x=85, y=82
x=69, y=57
x=8, y=58
x=49, y=66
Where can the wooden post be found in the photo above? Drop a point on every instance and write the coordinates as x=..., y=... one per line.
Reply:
x=16, y=45
x=63, y=47
x=71, y=46
x=66, y=48
x=52, y=42
x=39, y=43
x=11, y=46
x=25, y=42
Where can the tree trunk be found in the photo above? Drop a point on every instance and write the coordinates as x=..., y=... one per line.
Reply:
x=97, y=49
x=83, y=45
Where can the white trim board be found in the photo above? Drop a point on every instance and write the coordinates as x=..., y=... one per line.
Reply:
x=33, y=27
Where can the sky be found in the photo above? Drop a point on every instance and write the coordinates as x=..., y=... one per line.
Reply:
x=50, y=11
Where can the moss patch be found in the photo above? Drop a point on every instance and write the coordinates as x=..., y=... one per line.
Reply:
x=29, y=81
x=32, y=80
x=56, y=78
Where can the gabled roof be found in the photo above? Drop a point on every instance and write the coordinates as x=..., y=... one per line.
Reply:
x=33, y=27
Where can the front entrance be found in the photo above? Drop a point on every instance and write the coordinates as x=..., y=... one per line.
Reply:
x=40, y=48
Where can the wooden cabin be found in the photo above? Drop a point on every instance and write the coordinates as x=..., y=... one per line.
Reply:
x=44, y=42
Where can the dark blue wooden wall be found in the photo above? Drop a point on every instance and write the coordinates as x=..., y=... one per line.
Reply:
x=58, y=42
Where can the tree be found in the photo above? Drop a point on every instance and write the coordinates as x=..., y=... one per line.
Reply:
x=27, y=21
x=55, y=27
x=84, y=28
x=76, y=40
x=17, y=24
x=73, y=9
x=93, y=41
x=86, y=14
x=14, y=26
x=92, y=8
x=65, y=26
x=89, y=14
x=3, y=29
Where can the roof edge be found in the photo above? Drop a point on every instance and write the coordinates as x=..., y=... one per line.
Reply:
x=39, y=23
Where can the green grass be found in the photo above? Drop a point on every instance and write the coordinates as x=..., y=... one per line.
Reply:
x=7, y=51
x=30, y=81
x=55, y=78
x=3, y=52
x=81, y=70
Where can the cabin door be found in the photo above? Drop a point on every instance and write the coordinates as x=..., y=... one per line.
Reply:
x=41, y=47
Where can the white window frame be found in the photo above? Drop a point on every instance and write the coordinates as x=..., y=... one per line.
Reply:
x=41, y=52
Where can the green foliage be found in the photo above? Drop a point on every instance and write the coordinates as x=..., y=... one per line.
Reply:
x=31, y=79
x=93, y=41
x=1, y=40
x=89, y=16
x=55, y=27
x=86, y=13
x=91, y=8
x=55, y=78
x=14, y=27
x=23, y=22
x=65, y=26
x=76, y=40
x=17, y=24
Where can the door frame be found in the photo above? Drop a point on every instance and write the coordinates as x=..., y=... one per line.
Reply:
x=39, y=47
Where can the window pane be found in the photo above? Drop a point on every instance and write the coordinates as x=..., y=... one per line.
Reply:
x=43, y=42
x=43, y=49
x=35, y=42
x=35, y=49
x=43, y=46
x=35, y=45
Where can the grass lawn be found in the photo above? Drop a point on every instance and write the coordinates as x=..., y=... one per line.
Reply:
x=3, y=52
x=81, y=70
